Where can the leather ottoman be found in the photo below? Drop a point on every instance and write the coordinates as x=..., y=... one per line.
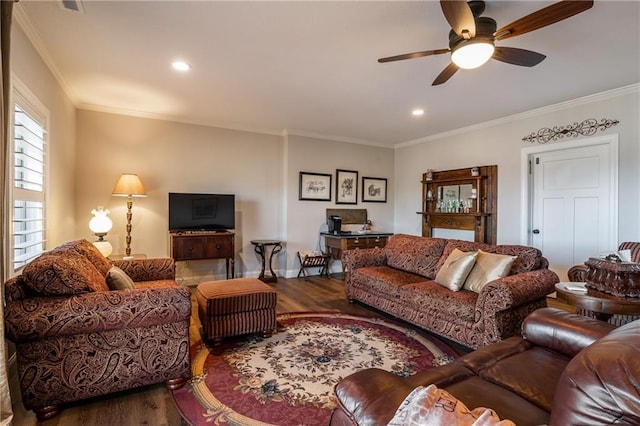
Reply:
x=234, y=307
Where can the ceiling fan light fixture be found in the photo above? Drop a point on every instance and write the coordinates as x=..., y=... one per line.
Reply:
x=472, y=54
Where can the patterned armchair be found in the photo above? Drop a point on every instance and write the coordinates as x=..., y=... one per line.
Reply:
x=578, y=273
x=76, y=339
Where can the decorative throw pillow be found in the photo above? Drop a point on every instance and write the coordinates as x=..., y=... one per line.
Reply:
x=488, y=267
x=433, y=406
x=63, y=275
x=455, y=269
x=88, y=250
x=117, y=279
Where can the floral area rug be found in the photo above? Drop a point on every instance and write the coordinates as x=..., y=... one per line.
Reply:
x=288, y=379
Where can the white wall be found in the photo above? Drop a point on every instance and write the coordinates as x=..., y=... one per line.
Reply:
x=29, y=68
x=500, y=143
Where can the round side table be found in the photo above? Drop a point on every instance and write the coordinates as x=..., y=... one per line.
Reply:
x=603, y=305
x=261, y=247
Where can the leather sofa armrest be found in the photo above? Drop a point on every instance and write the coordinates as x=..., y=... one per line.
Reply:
x=42, y=317
x=600, y=385
x=155, y=269
x=562, y=331
x=371, y=396
x=360, y=258
x=516, y=290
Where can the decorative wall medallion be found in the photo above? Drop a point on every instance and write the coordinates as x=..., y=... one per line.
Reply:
x=587, y=128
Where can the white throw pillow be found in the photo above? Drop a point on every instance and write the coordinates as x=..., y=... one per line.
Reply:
x=437, y=407
x=453, y=273
x=488, y=267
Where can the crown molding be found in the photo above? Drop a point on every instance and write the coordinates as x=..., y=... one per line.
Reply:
x=344, y=139
x=597, y=97
x=24, y=21
x=175, y=119
x=271, y=132
x=22, y=18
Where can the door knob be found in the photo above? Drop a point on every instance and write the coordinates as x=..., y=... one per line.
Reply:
x=536, y=231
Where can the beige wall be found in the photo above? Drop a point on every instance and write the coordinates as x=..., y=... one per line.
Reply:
x=500, y=143
x=177, y=157
x=29, y=68
x=306, y=219
x=261, y=170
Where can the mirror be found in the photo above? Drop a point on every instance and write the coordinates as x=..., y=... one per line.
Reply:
x=465, y=192
x=455, y=198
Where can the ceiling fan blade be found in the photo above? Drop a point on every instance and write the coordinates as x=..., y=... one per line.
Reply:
x=414, y=55
x=515, y=56
x=446, y=74
x=543, y=17
x=458, y=14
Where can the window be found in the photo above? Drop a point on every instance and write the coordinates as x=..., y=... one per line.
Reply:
x=28, y=233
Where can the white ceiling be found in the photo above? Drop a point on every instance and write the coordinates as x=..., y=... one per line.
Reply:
x=310, y=67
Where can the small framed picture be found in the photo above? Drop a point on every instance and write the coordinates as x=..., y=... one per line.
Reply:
x=315, y=186
x=346, y=187
x=374, y=190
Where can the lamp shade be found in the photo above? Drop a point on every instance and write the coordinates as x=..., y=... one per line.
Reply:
x=100, y=223
x=129, y=185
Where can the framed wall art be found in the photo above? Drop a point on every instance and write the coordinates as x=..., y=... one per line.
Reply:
x=374, y=190
x=315, y=186
x=346, y=187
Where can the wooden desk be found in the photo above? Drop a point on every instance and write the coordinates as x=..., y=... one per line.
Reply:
x=335, y=244
x=603, y=305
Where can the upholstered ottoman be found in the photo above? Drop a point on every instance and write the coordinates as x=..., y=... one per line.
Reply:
x=233, y=307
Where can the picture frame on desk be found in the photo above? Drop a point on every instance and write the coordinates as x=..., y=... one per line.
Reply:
x=346, y=186
x=374, y=190
x=315, y=186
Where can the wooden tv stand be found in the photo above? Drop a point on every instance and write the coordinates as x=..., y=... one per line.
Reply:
x=202, y=245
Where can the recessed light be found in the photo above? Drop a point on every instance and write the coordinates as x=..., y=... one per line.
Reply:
x=417, y=112
x=181, y=66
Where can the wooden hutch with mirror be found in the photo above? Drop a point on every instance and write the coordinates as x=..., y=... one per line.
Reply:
x=462, y=199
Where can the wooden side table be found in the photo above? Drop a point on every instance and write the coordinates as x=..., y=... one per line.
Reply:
x=603, y=305
x=261, y=247
x=124, y=257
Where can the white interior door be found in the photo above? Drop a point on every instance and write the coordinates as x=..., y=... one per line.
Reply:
x=572, y=210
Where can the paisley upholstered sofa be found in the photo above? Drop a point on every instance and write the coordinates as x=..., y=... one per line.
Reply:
x=408, y=279
x=76, y=338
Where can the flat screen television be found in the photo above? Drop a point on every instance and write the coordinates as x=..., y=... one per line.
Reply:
x=201, y=212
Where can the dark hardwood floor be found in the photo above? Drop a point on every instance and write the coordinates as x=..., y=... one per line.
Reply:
x=153, y=405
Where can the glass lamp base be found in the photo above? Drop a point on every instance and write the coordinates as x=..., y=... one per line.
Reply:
x=104, y=247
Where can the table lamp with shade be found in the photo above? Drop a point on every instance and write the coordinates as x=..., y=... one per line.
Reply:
x=129, y=185
x=100, y=224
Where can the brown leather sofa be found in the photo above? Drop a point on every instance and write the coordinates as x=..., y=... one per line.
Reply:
x=76, y=339
x=565, y=369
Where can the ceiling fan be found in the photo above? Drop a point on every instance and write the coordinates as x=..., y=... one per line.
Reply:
x=472, y=37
